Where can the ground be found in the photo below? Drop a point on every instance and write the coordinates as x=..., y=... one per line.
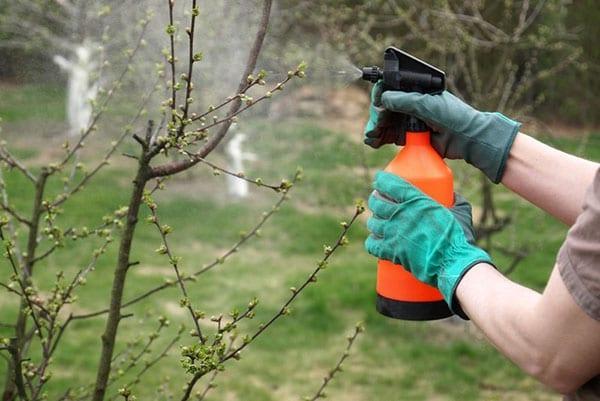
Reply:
x=392, y=360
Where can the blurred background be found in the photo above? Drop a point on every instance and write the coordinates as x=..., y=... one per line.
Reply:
x=536, y=61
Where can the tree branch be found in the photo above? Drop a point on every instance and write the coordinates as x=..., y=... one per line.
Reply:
x=176, y=167
x=338, y=367
x=174, y=261
x=12, y=162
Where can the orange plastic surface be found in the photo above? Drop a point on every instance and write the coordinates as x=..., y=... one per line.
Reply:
x=418, y=163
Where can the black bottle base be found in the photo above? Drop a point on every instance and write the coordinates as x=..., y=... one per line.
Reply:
x=405, y=310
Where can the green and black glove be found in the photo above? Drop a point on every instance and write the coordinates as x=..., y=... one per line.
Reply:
x=434, y=243
x=482, y=139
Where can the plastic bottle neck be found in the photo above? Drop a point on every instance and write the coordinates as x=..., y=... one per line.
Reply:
x=418, y=138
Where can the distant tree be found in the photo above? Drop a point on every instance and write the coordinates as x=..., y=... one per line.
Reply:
x=74, y=34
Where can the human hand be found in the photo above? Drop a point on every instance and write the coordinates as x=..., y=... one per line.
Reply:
x=482, y=139
x=434, y=243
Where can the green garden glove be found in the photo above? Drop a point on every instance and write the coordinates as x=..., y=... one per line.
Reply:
x=434, y=243
x=482, y=139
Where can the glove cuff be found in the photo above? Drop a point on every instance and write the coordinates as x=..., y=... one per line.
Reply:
x=490, y=147
x=463, y=259
x=512, y=127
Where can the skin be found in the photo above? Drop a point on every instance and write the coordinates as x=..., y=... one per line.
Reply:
x=547, y=335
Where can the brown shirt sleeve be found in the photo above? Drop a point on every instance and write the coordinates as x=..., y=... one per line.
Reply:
x=579, y=257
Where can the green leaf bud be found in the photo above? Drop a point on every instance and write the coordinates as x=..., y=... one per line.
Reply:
x=170, y=30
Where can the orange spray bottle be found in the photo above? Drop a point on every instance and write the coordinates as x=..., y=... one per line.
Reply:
x=399, y=294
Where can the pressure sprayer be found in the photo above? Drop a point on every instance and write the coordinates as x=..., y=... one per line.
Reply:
x=399, y=294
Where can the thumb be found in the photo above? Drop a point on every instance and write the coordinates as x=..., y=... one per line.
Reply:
x=402, y=102
x=376, y=93
x=462, y=212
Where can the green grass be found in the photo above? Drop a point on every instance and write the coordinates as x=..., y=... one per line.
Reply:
x=32, y=102
x=393, y=360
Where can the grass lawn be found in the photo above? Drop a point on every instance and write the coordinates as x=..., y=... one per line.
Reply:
x=392, y=360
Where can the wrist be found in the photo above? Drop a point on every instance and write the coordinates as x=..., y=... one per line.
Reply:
x=470, y=278
x=463, y=260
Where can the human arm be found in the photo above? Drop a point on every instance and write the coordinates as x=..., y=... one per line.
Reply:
x=547, y=335
x=552, y=180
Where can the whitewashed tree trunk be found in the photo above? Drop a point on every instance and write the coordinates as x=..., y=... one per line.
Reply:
x=81, y=87
x=236, y=187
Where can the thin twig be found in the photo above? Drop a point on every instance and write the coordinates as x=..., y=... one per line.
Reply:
x=173, y=260
x=136, y=358
x=14, y=214
x=15, y=268
x=154, y=361
x=256, y=181
x=13, y=162
x=191, y=59
x=338, y=367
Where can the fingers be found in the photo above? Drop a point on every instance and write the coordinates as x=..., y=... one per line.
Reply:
x=374, y=139
x=403, y=102
x=376, y=227
x=382, y=207
x=394, y=188
x=444, y=111
x=373, y=245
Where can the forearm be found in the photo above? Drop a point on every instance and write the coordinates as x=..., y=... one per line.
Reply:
x=550, y=179
x=546, y=335
x=500, y=309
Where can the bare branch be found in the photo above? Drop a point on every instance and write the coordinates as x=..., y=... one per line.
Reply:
x=256, y=181
x=14, y=214
x=182, y=165
x=218, y=261
x=338, y=367
x=13, y=162
x=22, y=285
x=172, y=59
x=235, y=104
x=173, y=260
x=191, y=60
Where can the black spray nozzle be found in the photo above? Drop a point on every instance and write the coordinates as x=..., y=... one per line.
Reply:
x=402, y=71
x=372, y=74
